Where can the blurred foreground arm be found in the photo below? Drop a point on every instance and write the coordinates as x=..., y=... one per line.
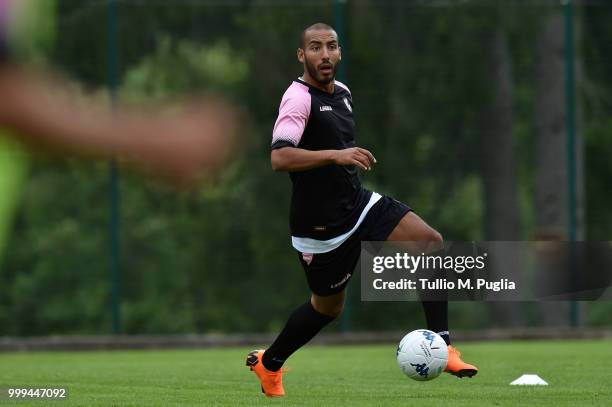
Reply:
x=179, y=146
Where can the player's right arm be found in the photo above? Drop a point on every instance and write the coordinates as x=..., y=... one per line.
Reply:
x=288, y=130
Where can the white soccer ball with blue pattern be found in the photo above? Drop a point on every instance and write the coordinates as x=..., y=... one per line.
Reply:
x=422, y=355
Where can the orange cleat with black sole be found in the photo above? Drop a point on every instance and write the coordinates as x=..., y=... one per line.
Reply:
x=458, y=367
x=271, y=382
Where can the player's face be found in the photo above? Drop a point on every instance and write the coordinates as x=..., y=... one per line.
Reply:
x=320, y=55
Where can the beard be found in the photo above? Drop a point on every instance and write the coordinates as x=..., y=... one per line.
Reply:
x=314, y=73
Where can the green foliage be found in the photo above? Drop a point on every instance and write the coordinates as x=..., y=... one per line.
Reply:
x=13, y=170
x=177, y=68
x=598, y=148
x=35, y=30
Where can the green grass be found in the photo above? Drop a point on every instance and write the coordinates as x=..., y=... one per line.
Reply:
x=579, y=373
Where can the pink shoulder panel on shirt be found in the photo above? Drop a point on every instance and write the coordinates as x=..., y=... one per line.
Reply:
x=343, y=86
x=293, y=114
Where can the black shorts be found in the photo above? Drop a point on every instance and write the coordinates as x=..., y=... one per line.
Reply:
x=329, y=273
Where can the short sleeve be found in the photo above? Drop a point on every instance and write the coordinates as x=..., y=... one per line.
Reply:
x=292, y=117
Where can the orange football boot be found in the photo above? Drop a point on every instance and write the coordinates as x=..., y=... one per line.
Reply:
x=271, y=382
x=458, y=367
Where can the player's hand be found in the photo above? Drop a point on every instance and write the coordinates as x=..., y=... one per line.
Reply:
x=185, y=145
x=357, y=156
x=180, y=143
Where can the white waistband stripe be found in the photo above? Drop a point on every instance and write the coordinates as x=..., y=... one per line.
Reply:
x=308, y=245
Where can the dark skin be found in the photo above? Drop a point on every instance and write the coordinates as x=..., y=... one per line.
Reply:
x=320, y=56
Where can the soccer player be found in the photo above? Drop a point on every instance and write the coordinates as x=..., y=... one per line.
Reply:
x=331, y=212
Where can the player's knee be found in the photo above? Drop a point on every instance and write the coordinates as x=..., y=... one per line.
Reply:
x=337, y=311
x=333, y=312
x=436, y=237
x=330, y=310
x=435, y=241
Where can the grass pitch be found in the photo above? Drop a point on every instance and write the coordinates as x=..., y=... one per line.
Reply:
x=578, y=373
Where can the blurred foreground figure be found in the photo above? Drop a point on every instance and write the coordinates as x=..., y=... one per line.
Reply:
x=44, y=112
x=177, y=144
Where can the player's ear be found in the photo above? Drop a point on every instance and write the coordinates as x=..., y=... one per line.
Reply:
x=300, y=55
x=339, y=53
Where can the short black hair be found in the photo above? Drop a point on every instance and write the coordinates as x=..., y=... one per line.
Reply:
x=315, y=26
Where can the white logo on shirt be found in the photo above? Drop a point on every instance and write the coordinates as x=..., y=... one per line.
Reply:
x=325, y=108
x=348, y=105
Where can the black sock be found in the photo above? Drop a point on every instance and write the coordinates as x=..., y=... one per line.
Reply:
x=435, y=304
x=436, y=315
x=303, y=324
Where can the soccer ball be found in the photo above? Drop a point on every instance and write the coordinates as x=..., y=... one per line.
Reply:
x=422, y=355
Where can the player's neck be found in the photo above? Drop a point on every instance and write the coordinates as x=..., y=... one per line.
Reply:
x=329, y=87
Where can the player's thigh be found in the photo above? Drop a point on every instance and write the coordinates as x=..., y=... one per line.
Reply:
x=330, y=305
x=416, y=235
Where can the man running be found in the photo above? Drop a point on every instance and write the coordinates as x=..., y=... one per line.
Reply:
x=331, y=212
